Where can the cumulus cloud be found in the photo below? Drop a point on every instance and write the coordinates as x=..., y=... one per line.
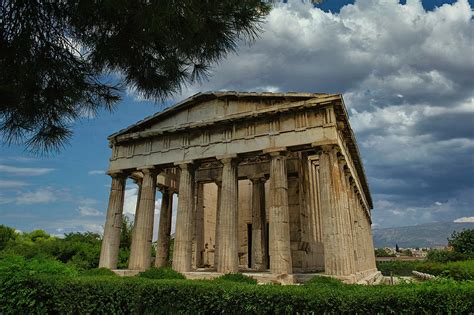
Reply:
x=42, y=195
x=406, y=76
x=465, y=220
x=88, y=211
x=24, y=171
x=96, y=172
x=12, y=184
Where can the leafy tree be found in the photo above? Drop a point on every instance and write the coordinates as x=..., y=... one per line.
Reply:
x=6, y=234
x=463, y=242
x=64, y=60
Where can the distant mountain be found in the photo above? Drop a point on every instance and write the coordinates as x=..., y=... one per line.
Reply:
x=423, y=235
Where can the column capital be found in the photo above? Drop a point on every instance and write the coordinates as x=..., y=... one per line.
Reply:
x=330, y=147
x=149, y=170
x=257, y=179
x=228, y=158
x=279, y=151
x=117, y=173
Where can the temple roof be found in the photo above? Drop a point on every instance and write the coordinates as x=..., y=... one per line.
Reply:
x=340, y=110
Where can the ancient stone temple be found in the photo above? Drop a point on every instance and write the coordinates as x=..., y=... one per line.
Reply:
x=269, y=184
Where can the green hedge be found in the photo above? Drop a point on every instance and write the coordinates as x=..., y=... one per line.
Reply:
x=110, y=295
x=398, y=268
x=459, y=270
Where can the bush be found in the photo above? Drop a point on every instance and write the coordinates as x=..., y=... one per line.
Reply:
x=236, y=277
x=321, y=281
x=98, y=272
x=14, y=265
x=463, y=242
x=397, y=268
x=112, y=295
x=444, y=256
x=460, y=270
x=161, y=273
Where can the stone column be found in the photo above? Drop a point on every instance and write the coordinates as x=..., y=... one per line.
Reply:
x=333, y=201
x=358, y=238
x=216, y=238
x=259, y=223
x=164, y=228
x=227, y=254
x=182, y=255
x=279, y=216
x=347, y=216
x=140, y=250
x=113, y=223
x=199, y=225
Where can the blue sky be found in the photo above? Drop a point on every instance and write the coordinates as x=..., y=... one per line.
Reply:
x=406, y=74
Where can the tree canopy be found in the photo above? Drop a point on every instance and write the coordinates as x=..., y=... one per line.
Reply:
x=64, y=60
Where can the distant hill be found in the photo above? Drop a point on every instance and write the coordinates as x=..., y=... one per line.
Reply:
x=423, y=235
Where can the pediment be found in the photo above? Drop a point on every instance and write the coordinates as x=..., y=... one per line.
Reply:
x=209, y=107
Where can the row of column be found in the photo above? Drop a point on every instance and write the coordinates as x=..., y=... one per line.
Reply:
x=142, y=233
x=226, y=250
x=346, y=232
x=348, y=245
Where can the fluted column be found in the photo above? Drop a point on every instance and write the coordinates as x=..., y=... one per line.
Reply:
x=164, y=228
x=182, y=255
x=199, y=225
x=258, y=224
x=140, y=251
x=359, y=240
x=279, y=216
x=113, y=223
x=346, y=216
x=217, y=230
x=227, y=251
x=333, y=204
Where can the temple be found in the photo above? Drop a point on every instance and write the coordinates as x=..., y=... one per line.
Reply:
x=269, y=184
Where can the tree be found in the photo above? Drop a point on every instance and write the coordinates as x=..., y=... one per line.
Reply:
x=6, y=234
x=463, y=242
x=64, y=60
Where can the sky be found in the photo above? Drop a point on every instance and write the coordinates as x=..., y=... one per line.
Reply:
x=405, y=70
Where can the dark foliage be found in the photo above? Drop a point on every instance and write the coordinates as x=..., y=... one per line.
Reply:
x=236, y=277
x=56, y=57
x=114, y=295
x=463, y=242
x=161, y=273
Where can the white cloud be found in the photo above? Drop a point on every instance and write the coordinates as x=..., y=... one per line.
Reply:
x=11, y=184
x=96, y=172
x=42, y=195
x=465, y=220
x=89, y=211
x=24, y=171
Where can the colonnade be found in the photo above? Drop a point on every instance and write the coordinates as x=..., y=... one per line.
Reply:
x=342, y=225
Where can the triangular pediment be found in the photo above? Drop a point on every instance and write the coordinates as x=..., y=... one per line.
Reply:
x=209, y=106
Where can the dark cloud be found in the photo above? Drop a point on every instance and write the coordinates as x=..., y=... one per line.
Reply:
x=406, y=75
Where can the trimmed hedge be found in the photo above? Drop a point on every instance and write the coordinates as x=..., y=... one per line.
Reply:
x=459, y=270
x=236, y=277
x=161, y=273
x=111, y=295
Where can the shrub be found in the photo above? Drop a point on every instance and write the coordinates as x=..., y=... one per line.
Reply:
x=463, y=242
x=321, y=281
x=459, y=270
x=444, y=256
x=112, y=295
x=161, y=273
x=236, y=277
x=96, y=272
x=14, y=265
x=397, y=268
